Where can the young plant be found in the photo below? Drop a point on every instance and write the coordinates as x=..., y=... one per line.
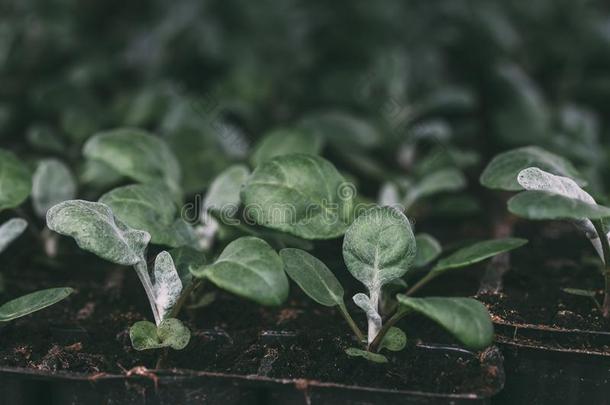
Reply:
x=379, y=248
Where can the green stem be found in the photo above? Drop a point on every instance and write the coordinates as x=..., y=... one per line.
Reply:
x=400, y=313
x=351, y=323
x=601, y=233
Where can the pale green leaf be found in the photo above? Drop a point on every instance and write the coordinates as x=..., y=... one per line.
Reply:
x=33, y=302
x=395, y=340
x=11, y=230
x=95, y=229
x=15, y=180
x=223, y=196
x=428, y=250
x=370, y=356
x=465, y=318
x=249, y=268
x=167, y=285
x=314, y=278
x=151, y=209
x=544, y=205
x=379, y=247
x=171, y=333
x=52, y=183
x=300, y=194
x=502, y=171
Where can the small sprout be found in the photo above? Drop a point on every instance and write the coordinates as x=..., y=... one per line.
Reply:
x=370, y=356
x=395, y=340
x=11, y=230
x=33, y=302
x=15, y=181
x=250, y=268
x=170, y=333
x=151, y=209
x=285, y=141
x=52, y=183
x=303, y=195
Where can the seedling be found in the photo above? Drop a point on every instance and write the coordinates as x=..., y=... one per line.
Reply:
x=552, y=192
x=379, y=248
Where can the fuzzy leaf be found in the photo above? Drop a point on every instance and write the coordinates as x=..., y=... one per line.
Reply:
x=151, y=209
x=11, y=230
x=465, y=318
x=285, y=141
x=303, y=195
x=502, y=171
x=223, y=195
x=167, y=285
x=250, y=268
x=135, y=154
x=395, y=340
x=15, y=180
x=363, y=302
x=477, y=253
x=314, y=278
x=52, y=183
x=370, y=356
x=33, y=302
x=171, y=332
x=96, y=230
x=379, y=247
x=544, y=205
x=428, y=250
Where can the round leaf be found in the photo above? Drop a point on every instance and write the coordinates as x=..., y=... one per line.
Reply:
x=96, y=230
x=502, y=171
x=477, y=253
x=15, y=180
x=250, y=268
x=314, y=278
x=395, y=340
x=300, y=194
x=52, y=183
x=135, y=154
x=543, y=205
x=151, y=209
x=33, y=302
x=379, y=247
x=428, y=250
x=465, y=318
x=285, y=142
x=171, y=332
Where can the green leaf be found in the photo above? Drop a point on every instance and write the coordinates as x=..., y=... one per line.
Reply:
x=502, y=171
x=303, y=195
x=314, y=278
x=223, y=196
x=379, y=247
x=543, y=205
x=96, y=230
x=579, y=292
x=151, y=209
x=370, y=356
x=15, y=180
x=342, y=129
x=249, y=268
x=443, y=181
x=285, y=141
x=33, y=302
x=395, y=340
x=135, y=154
x=428, y=250
x=477, y=253
x=171, y=332
x=465, y=318
x=52, y=183
x=11, y=230
x=167, y=285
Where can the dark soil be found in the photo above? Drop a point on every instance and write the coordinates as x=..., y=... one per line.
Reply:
x=557, y=257
x=88, y=333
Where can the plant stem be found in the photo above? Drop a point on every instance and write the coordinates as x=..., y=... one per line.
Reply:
x=351, y=323
x=400, y=313
x=424, y=280
x=142, y=272
x=601, y=232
